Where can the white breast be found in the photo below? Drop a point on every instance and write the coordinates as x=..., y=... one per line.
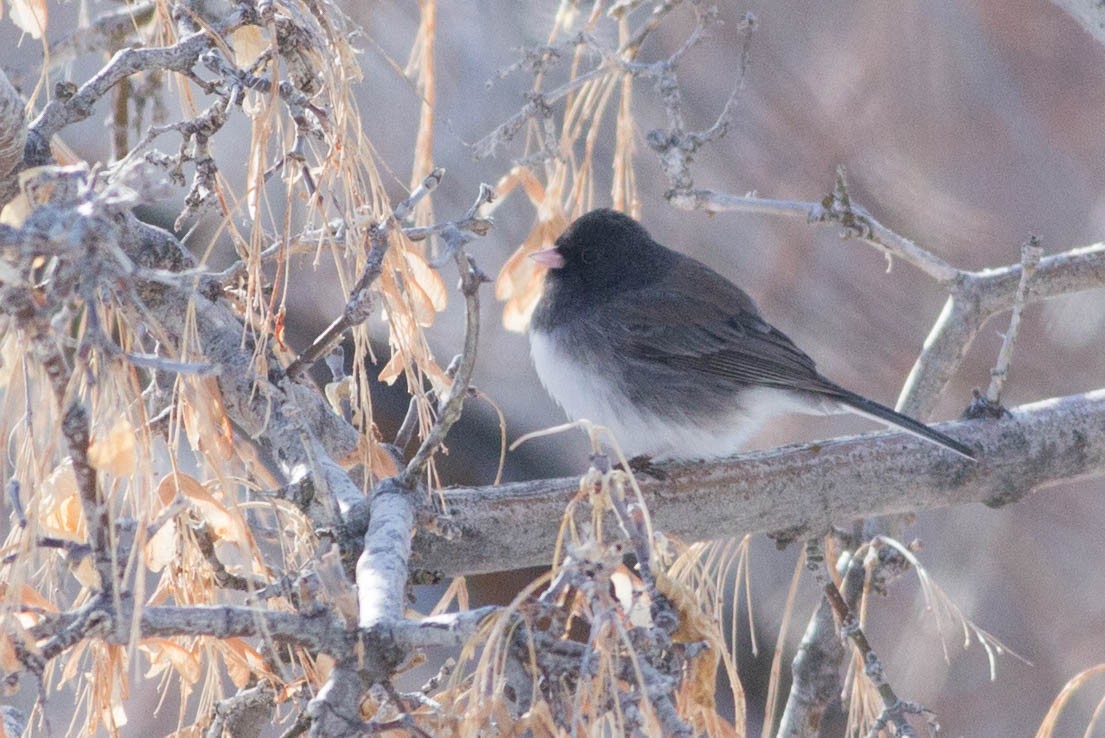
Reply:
x=585, y=392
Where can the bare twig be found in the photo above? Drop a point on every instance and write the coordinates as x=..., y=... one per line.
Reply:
x=836, y=207
x=1031, y=253
x=453, y=401
x=205, y=542
x=978, y=296
x=94, y=505
x=894, y=708
x=359, y=305
x=619, y=61
x=451, y=630
x=817, y=663
x=180, y=57
x=102, y=34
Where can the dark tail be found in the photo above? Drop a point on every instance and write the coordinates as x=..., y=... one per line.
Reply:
x=875, y=411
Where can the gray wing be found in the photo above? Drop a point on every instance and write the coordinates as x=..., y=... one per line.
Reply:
x=699, y=322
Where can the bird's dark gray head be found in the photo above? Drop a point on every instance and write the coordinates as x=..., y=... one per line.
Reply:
x=605, y=250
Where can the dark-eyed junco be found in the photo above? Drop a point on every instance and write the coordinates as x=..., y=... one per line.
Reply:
x=668, y=354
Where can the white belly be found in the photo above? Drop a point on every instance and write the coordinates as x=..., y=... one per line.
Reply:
x=585, y=393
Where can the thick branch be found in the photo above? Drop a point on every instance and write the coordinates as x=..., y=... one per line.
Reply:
x=255, y=404
x=799, y=489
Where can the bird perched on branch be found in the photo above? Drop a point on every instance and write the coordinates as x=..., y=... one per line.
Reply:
x=669, y=355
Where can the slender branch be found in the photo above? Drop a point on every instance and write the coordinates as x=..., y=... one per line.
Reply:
x=801, y=489
x=101, y=34
x=452, y=630
x=205, y=542
x=1031, y=253
x=453, y=402
x=978, y=296
x=382, y=568
x=254, y=404
x=359, y=305
x=836, y=207
x=180, y=57
x=76, y=428
x=894, y=708
x=817, y=663
x=612, y=62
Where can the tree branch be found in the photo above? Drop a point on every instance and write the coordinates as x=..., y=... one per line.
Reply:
x=978, y=296
x=359, y=305
x=800, y=489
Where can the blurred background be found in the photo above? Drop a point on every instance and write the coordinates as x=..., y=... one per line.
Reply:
x=967, y=126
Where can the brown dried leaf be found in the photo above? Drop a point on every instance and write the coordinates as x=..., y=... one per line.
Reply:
x=226, y=525
x=85, y=573
x=343, y=389
x=165, y=654
x=382, y=463
x=520, y=280
x=243, y=661
x=394, y=368
x=427, y=279
x=30, y=598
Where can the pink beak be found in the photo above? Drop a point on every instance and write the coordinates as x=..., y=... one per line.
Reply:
x=548, y=257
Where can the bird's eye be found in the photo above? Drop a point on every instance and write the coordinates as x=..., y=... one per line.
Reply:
x=588, y=256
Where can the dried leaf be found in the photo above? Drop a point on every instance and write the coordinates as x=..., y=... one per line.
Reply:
x=427, y=279
x=85, y=573
x=59, y=507
x=115, y=452
x=248, y=43
x=520, y=280
x=225, y=524
x=344, y=389
x=32, y=600
x=205, y=419
x=165, y=654
x=382, y=463
x=394, y=368
x=243, y=661
x=161, y=548
x=30, y=16
x=9, y=661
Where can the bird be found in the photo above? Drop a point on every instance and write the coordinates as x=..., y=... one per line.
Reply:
x=670, y=356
